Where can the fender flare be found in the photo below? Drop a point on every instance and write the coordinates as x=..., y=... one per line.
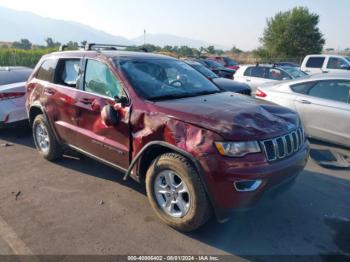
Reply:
x=195, y=162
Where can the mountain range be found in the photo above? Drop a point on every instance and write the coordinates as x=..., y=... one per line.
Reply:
x=16, y=25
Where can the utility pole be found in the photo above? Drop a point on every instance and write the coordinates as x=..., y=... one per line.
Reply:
x=144, y=37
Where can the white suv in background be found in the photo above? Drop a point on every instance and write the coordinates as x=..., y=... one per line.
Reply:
x=315, y=64
x=256, y=75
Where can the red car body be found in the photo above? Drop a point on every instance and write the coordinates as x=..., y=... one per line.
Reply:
x=189, y=126
x=225, y=61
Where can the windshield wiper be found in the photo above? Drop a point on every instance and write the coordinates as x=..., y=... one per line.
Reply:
x=169, y=97
x=179, y=96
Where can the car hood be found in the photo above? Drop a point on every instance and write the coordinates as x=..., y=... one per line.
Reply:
x=235, y=117
x=230, y=85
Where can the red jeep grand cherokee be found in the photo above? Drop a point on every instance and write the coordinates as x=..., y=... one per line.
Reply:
x=199, y=150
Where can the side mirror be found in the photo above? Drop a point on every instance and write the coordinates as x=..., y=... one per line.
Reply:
x=110, y=116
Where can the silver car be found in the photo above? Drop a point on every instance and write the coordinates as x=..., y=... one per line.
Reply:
x=322, y=101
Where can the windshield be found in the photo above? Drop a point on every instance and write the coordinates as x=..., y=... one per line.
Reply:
x=347, y=58
x=294, y=72
x=161, y=79
x=230, y=62
x=205, y=71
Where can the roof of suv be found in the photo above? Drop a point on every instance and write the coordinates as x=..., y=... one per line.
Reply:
x=112, y=54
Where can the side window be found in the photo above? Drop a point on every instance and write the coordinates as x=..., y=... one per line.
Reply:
x=248, y=71
x=47, y=70
x=302, y=88
x=277, y=74
x=337, y=63
x=100, y=80
x=258, y=72
x=67, y=72
x=335, y=90
x=315, y=62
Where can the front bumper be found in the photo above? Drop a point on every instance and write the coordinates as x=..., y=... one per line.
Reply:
x=222, y=173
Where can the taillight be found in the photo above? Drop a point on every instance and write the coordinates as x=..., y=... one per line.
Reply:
x=11, y=95
x=260, y=93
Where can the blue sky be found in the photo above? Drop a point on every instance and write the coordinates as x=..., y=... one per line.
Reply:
x=223, y=22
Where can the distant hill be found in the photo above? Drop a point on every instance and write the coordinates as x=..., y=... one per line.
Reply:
x=16, y=25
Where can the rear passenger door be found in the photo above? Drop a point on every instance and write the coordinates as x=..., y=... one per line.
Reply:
x=325, y=110
x=59, y=80
x=100, y=87
x=255, y=76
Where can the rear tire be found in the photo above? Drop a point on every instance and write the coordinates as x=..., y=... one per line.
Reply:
x=176, y=193
x=44, y=139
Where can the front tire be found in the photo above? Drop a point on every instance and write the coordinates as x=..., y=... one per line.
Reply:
x=44, y=139
x=176, y=193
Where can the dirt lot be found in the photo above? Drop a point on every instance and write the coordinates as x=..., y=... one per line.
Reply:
x=78, y=206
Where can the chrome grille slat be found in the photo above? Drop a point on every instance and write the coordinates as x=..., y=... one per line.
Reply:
x=281, y=147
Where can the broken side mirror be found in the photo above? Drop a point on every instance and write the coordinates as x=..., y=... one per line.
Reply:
x=110, y=116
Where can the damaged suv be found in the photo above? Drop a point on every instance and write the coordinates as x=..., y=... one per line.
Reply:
x=198, y=149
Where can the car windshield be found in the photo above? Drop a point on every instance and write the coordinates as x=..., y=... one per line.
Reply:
x=347, y=58
x=294, y=72
x=230, y=62
x=162, y=79
x=205, y=71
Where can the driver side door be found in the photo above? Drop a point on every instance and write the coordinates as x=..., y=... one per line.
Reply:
x=107, y=143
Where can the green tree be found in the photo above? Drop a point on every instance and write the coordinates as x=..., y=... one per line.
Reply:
x=211, y=50
x=236, y=50
x=50, y=43
x=294, y=33
x=22, y=44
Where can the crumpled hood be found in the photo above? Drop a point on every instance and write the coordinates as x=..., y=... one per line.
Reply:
x=235, y=117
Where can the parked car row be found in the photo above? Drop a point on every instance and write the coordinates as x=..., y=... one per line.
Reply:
x=321, y=100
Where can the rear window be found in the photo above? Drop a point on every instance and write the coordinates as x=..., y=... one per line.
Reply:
x=315, y=62
x=14, y=76
x=47, y=70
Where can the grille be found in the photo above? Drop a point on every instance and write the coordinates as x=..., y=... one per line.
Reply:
x=281, y=147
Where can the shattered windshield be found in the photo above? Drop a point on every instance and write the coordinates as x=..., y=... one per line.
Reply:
x=161, y=79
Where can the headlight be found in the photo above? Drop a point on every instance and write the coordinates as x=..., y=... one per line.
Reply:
x=237, y=149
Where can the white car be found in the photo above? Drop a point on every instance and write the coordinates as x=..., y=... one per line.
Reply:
x=315, y=64
x=12, y=95
x=322, y=101
x=256, y=75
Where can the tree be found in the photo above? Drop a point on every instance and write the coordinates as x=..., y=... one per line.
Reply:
x=23, y=44
x=294, y=33
x=235, y=50
x=210, y=50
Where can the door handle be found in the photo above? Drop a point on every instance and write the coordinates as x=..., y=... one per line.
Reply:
x=303, y=101
x=248, y=80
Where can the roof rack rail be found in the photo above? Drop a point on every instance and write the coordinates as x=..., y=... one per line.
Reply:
x=92, y=46
x=62, y=47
